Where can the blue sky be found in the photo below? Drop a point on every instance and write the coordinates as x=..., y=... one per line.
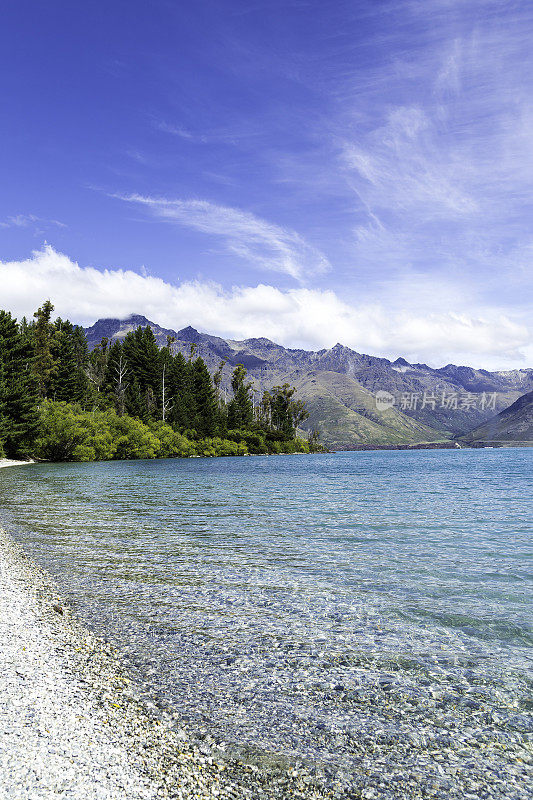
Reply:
x=308, y=171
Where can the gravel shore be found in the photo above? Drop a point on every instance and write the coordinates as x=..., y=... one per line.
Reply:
x=72, y=724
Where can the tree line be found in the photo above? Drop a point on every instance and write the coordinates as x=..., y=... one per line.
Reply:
x=129, y=398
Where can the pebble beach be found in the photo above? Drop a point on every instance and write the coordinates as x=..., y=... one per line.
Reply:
x=72, y=725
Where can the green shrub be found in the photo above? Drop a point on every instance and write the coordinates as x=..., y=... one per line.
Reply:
x=68, y=433
x=84, y=452
x=59, y=432
x=171, y=443
x=133, y=438
x=220, y=447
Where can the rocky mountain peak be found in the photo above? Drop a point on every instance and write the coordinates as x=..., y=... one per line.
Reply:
x=188, y=334
x=137, y=319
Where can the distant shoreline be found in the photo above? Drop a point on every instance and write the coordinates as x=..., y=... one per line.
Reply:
x=451, y=445
x=420, y=446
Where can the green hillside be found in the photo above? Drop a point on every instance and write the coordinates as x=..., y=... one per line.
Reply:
x=346, y=414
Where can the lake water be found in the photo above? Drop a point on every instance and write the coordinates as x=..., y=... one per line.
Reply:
x=314, y=608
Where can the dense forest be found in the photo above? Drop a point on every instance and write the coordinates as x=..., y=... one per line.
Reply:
x=129, y=399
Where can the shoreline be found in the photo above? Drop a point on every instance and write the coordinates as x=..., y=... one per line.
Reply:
x=447, y=445
x=452, y=444
x=75, y=721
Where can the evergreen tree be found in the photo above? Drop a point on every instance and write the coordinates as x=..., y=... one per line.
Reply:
x=142, y=357
x=222, y=411
x=81, y=351
x=165, y=382
x=68, y=348
x=44, y=364
x=64, y=383
x=240, y=407
x=96, y=372
x=117, y=378
x=183, y=411
x=4, y=424
x=18, y=392
x=133, y=400
x=149, y=405
x=265, y=410
x=205, y=420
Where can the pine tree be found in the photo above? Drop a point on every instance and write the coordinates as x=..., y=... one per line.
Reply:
x=45, y=366
x=133, y=400
x=68, y=380
x=222, y=410
x=81, y=351
x=142, y=357
x=183, y=410
x=48, y=365
x=165, y=371
x=18, y=391
x=64, y=384
x=240, y=407
x=117, y=378
x=4, y=425
x=96, y=372
x=205, y=421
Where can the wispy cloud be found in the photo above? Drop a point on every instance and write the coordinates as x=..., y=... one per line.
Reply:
x=28, y=220
x=441, y=164
x=178, y=130
x=264, y=245
x=404, y=169
x=310, y=318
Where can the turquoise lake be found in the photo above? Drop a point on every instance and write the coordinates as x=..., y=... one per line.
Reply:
x=291, y=604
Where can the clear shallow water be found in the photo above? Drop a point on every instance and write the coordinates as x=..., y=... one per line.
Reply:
x=300, y=604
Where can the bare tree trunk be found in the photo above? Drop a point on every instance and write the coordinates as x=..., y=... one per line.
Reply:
x=121, y=371
x=166, y=405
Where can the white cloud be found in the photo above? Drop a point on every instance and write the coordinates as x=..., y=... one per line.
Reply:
x=177, y=130
x=26, y=220
x=406, y=170
x=449, y=76
x=299, y=317
x=443, y=169
x=262, y=244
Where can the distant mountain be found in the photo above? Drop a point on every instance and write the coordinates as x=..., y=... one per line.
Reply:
x=513, y=425
x=339, y=385
x=114, y=329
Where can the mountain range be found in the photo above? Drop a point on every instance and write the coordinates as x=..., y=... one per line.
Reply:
x=353, y=399
x=513, y=425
